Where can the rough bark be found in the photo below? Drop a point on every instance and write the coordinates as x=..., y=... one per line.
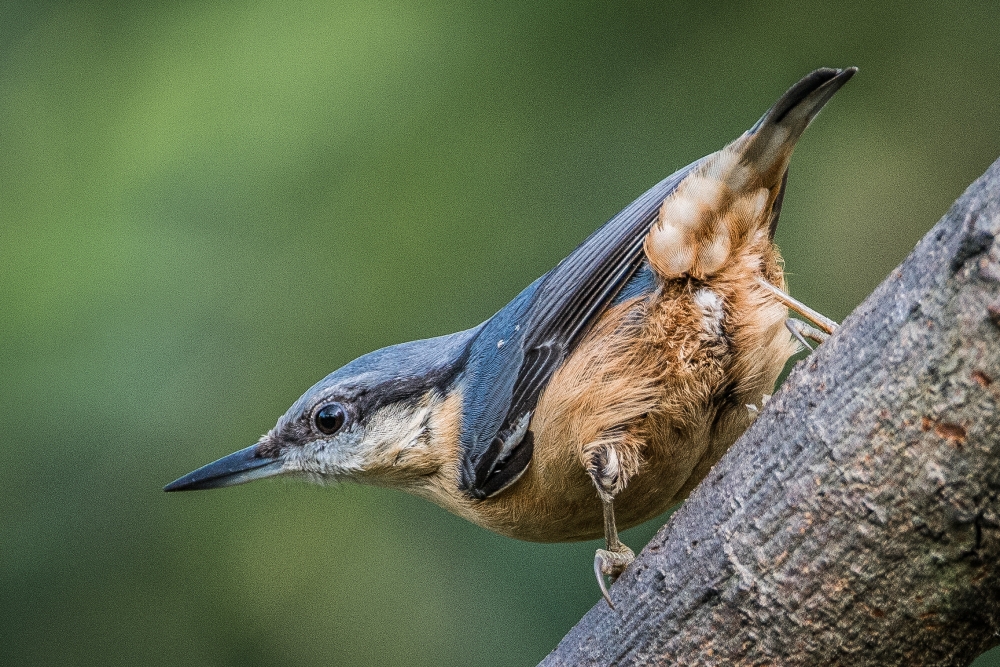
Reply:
x=857, y=522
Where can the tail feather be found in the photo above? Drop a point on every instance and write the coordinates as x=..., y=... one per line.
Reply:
x=772, y=138
x=734, y=195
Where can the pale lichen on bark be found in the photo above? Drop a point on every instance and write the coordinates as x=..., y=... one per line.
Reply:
x=858, y=520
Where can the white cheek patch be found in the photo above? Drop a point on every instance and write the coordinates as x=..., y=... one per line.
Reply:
x=390, y=435
x=336, y=457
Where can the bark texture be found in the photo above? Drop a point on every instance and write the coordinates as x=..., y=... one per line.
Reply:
x=857, y=522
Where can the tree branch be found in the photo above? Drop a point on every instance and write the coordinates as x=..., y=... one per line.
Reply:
x=858, y=520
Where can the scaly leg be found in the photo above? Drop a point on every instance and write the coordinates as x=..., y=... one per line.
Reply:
x=604, y=468
x=820, y=320
x=613, y=560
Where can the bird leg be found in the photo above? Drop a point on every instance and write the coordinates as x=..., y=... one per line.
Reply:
x=803, y=331
x=609, y=476
x=822, y=321
x=612, y=561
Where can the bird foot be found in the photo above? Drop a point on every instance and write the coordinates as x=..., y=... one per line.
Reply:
x=825, y=324
x=611, y=564
x=803, y=331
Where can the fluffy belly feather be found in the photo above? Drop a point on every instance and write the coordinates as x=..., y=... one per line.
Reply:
x=666, y=378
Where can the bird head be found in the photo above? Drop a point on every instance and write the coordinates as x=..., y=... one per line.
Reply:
x=385, y=418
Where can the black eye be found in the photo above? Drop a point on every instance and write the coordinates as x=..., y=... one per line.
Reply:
x=330, y=418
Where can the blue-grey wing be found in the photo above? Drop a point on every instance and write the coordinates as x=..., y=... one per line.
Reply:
x=519, y=348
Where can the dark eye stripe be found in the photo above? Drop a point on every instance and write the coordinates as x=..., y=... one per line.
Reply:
x=330, y=418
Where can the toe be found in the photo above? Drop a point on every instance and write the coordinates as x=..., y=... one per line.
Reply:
x=611, y=564
x=599, y=568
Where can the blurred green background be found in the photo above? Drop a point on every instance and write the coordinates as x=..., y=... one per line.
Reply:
x=208, y=206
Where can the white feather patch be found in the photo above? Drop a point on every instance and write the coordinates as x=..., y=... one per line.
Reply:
x=671, y=249
x=714, y=255
x=712, y=312
x=704, y=192
x=681, y=211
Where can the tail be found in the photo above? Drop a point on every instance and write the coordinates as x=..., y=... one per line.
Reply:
x=770, y=141
x=732, y=198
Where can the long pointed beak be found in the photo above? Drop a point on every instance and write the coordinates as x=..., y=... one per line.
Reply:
x=237, y=468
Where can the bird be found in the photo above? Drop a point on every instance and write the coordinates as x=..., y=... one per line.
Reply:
x=600, y=395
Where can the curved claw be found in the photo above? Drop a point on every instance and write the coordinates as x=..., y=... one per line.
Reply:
x=599, y=573
x=612, y=564
x=802, y=331
x=794, y=329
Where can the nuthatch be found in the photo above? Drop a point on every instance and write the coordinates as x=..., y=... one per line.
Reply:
x=603, y=393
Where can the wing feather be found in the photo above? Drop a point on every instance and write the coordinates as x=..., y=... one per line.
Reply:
x=530, y=337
